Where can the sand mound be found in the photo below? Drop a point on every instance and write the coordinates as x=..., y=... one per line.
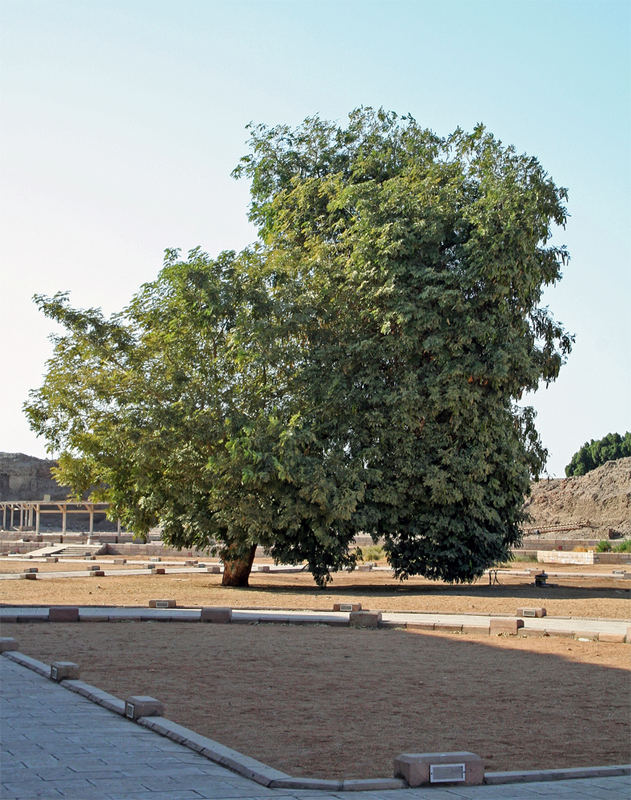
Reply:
x=600, y=500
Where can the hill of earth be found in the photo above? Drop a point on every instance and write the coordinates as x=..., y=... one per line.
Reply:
x=28, y=478
x=601, y=499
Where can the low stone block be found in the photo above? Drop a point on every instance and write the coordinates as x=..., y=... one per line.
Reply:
x=365, y=619
x=151, y=566
x=364, y=568
x=419, y=626
x=423, y=769
x=214, y=569
x=143, y=706
x=31, y=569
x=448, y=627
x=190, y=563
x=611, y=637
x=97, y=573
x=29, y=576
x=155, y=558
x=347, y=606
x=60, y=670
x=120, y=560
x=51, y=559
x=509, y=626
x=162, y=604
x=7, y=643
x=372, y=784
x=531, y=612
x=63, y=614
x=264, y=568
x=216, y=614
x=481, y=629
x=93, y=567
x=160, y=571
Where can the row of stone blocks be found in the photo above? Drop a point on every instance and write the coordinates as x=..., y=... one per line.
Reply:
x=416, y=769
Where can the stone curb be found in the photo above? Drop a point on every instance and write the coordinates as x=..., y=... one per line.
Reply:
x=498, y=624
x=272, y=778
x=529, y=776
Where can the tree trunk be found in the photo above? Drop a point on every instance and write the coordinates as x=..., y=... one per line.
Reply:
x=236, y=571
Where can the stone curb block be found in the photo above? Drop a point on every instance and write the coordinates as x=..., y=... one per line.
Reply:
x=63, y=614
x=218, y=614
x=510, y=626
x=563, y=634
x=416, y=768
x=347, y=607
x=419, y=626
x=30, y=663
x=8, y=644
x=142, y=705
x=612, y=637
x=372, y=784
x=529, y=776
x=162, y=603
x=448, y=627
x=628, y=637
x=307, y=783
x=531, y=612
x=63, y=670
x=214, y=751
x=483, y=629
x=365, y=619
x=97, y=696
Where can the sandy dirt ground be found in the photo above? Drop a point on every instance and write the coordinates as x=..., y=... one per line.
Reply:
x=574, y=596
x=329, y=702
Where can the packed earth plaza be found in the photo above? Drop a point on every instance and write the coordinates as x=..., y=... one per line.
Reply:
x=514, y=686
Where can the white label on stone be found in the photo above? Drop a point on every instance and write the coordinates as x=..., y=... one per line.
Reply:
x=446, y=773
x=529, y=612
x=53, y=673
x=162, y=603
x=346, y=607
x=129, y=711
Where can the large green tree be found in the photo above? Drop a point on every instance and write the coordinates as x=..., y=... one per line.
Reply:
x=357, y=370
x=597, y=452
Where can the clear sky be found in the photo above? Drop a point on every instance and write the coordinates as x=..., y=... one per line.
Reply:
x=121, y=121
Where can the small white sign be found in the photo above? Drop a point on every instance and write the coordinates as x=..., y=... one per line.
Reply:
x=447, y=773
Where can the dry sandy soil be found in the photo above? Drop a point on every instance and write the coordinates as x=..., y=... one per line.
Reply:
x=329, y=702
x=298, y=697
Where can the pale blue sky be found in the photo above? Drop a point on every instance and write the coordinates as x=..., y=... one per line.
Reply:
x=121, y=122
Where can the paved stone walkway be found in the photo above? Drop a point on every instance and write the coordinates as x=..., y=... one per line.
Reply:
x=56, y=744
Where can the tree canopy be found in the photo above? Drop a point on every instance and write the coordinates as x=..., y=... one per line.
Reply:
x=358, y=369
x=597, y=452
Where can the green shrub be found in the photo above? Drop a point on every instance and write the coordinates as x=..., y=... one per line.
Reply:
x=623, y=547
x=373, y=552
x=603, y=546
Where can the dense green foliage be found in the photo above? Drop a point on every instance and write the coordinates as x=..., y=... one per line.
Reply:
x=357, y=370
x=597, y=452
